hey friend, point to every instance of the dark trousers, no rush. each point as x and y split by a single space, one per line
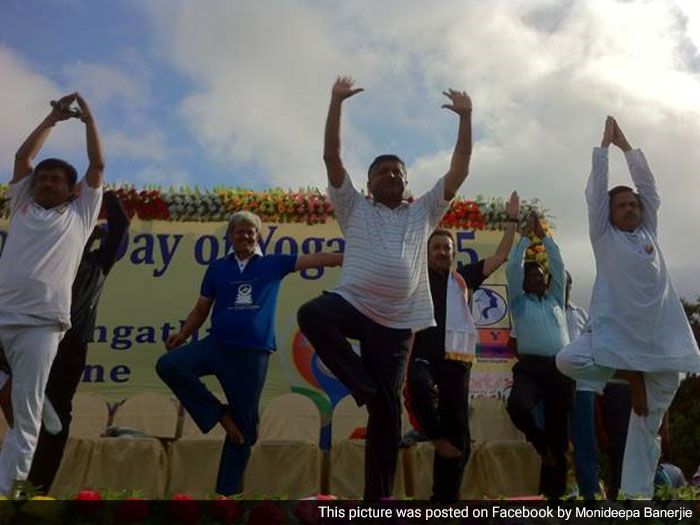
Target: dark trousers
64 379
241 373
537 379
374 377
438 396
615 407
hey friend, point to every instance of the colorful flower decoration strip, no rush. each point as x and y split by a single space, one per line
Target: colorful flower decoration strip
306 205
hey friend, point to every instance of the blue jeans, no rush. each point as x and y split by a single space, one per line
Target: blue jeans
585 443
241 373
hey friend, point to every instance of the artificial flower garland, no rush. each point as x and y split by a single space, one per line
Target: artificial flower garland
309 206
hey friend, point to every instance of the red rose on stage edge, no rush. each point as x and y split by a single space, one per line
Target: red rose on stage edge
308 513
131 510
183 509
90 502
224 509
266 513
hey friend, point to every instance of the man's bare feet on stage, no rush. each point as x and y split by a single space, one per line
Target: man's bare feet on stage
638 392
231 429
445 449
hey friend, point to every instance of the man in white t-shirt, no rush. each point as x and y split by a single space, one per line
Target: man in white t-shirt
383 295
638 329
51 219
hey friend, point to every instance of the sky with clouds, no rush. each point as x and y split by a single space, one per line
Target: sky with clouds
235 93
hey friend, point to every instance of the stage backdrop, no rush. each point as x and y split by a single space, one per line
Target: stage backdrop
156 282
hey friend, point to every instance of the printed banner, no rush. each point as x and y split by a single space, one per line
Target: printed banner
156 282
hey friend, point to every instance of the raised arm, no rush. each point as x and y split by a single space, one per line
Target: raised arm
318 260
597 198
642 177
36 139
557 287
462 154
195 319
96 162
117 226
342 89
500 256
515 271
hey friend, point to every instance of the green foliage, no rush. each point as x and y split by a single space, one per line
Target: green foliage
684 413
684 421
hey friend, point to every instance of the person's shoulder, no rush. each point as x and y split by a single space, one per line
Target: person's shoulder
221 262
84 191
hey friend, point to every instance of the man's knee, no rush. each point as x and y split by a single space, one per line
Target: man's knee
418 378
308 314
566 362
517 406
165 366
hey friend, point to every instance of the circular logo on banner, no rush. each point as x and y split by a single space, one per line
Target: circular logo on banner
488 307
312 369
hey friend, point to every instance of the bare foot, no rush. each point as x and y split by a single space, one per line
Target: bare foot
445 449
231 429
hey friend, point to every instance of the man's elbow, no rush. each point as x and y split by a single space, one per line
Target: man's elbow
332 161
23 165
97 166
201 313
21 158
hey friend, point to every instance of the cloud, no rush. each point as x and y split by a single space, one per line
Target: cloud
542 74
159 175
261 76
102 84
27 95
149 145
120 95
120 102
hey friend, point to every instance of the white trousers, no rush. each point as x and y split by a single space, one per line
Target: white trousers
30 350
642 449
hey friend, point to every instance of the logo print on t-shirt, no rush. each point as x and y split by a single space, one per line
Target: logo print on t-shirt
245 294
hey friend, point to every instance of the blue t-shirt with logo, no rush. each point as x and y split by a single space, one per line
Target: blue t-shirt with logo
244 302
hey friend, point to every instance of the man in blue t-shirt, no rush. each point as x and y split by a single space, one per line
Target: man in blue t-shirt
242 287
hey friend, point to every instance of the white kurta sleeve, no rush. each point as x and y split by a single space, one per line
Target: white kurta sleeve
646 187
597 198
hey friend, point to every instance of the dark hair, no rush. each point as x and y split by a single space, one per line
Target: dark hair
616 191
69 171
528 267
442 231
383 158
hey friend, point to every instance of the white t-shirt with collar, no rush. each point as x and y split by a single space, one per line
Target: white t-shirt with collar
42 252
385 263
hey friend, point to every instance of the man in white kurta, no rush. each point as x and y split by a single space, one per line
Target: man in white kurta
49 226
638 328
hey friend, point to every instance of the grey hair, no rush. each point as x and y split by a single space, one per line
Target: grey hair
244 216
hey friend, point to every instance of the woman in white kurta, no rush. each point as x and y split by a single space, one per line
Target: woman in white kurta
638 328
